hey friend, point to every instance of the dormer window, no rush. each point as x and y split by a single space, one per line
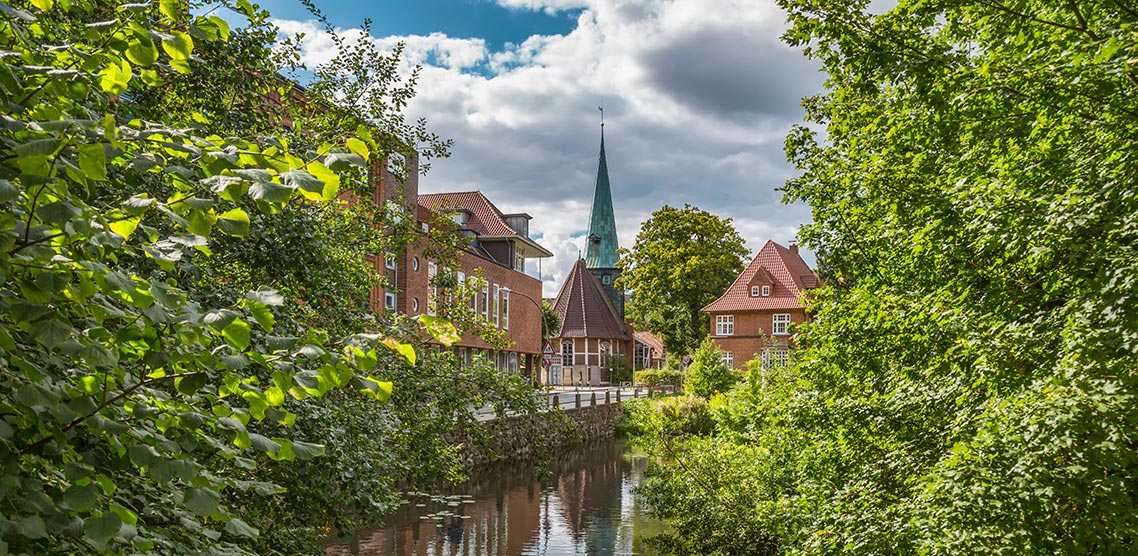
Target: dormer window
766 291
754 291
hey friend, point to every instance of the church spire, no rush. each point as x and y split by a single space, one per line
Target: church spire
601 243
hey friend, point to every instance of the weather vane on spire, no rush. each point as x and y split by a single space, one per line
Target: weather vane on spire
602 109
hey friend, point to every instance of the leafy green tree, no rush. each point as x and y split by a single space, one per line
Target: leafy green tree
708 373
550 321
682 260
968 379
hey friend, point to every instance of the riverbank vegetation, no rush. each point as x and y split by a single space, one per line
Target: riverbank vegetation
189 360
966 384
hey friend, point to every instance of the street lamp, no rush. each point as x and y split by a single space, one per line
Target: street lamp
532 300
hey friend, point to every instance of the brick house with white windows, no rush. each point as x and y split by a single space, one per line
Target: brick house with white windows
498 246
755 316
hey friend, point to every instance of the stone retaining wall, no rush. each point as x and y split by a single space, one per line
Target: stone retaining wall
528 437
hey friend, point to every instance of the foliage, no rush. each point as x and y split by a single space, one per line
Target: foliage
708 373
129 398
666 417
619 370
550 321
972 364
658 377
682 260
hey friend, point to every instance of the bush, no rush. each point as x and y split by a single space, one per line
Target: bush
708 374
670 416
659 377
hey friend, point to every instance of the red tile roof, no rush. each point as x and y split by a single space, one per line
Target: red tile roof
649 339
485 218
586 311
791 278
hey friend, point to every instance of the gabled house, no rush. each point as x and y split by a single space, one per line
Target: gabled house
647 351
757 314
593 338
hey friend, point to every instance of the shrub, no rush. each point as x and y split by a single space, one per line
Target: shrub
708 374
659 377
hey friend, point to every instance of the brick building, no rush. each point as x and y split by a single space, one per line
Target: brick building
755 316
492 267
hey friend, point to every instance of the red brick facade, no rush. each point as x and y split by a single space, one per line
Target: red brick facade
757 316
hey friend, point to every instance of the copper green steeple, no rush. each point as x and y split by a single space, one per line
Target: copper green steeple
600 251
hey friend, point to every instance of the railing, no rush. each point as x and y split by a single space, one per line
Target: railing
573 399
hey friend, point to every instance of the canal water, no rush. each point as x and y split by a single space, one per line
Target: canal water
582 504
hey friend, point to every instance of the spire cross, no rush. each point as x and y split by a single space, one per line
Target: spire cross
602 109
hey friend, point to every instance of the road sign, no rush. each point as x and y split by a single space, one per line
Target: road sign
547 350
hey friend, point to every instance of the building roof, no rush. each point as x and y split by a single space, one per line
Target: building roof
485 218
586 311
601 241
788 274
651 340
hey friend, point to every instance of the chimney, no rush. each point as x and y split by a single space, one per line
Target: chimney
794 248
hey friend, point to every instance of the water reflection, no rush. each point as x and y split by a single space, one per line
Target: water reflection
584 506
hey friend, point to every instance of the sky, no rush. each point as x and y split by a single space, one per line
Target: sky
698 97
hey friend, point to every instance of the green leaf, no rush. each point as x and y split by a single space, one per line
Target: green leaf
237 334
93 161
125 227
234 222
81 498
178 45
264 444
103 528
270 192
97 355
51 332
220 319
309 185
44 5
241 529
442 330
342 162
405 350
358 147
263 315
30 527
169 8
201 501
305 451
190 384
115 77
141 51
8 191
375 389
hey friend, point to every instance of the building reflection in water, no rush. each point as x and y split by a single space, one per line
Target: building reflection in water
585 505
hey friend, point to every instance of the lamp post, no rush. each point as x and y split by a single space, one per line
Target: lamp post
536 304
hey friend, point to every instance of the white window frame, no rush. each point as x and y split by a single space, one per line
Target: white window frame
766 291
432 289
485 299
775 357
414 305
497 305
728 358
754 291
390 300
567 353
724 325
389 261
779 324
415 264
505 309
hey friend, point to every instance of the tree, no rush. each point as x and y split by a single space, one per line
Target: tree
708 373
148 381
550 321
682 260
967 382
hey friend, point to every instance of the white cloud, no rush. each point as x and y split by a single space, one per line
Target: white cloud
698 97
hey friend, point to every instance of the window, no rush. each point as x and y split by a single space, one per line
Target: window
432 289
485 300
607 279
520 259
389 260
472 287
728 358
505 309
754 291
426 227
497 305
779 324
513 362
461 355
724 325
774 358
566 354
389 301
415 264
766 291
415 305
